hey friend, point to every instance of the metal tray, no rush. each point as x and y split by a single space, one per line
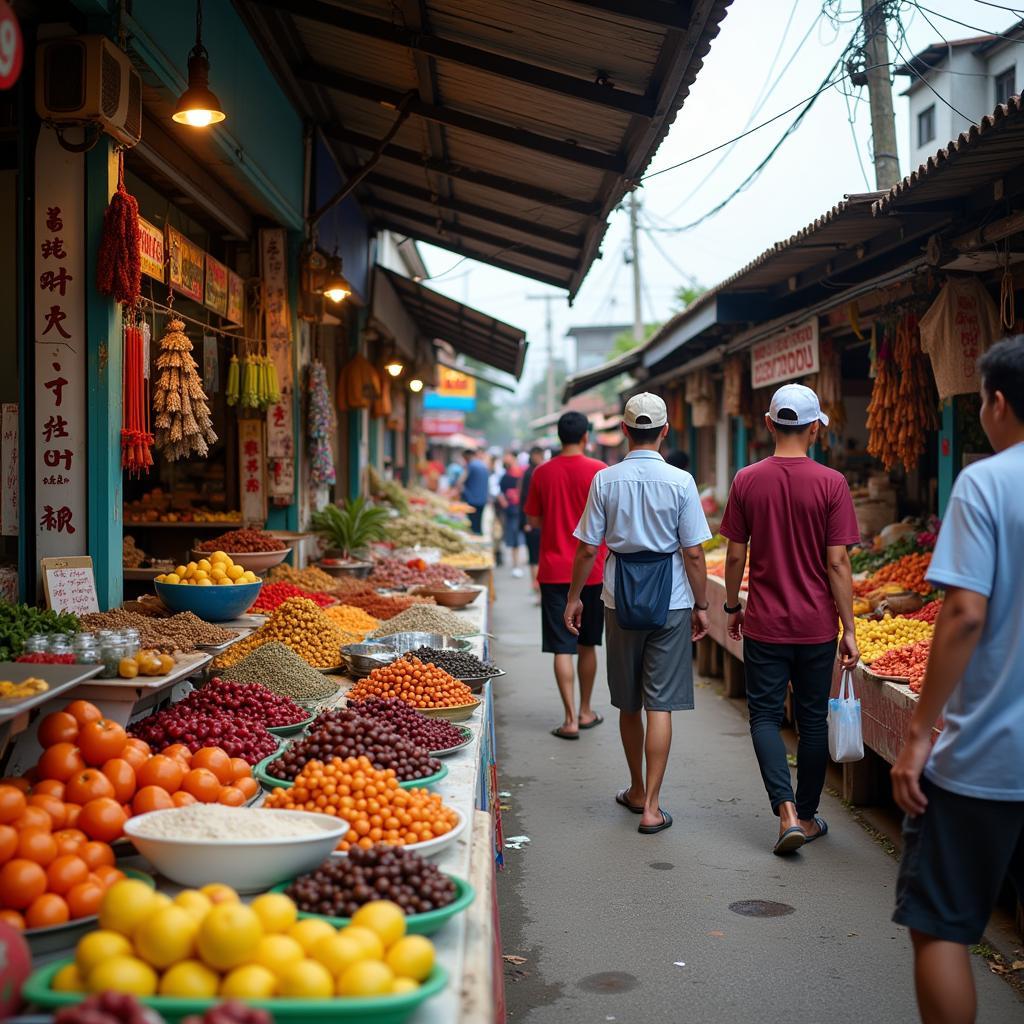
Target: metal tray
60 678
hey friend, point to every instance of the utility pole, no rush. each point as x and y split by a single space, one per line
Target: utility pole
883 121
549 330
634 248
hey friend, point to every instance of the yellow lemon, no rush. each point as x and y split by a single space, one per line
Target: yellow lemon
190 979
194 902
203 564
217 573
224 580
162 578
68 979
171 577
167 937
123 974
218 892
370 941
191 567
366 978
228 936
181 570
126 904
200 574
249 576
402 986
411 957
306 979
309 931
205 582
219 556
234 571
277 913
383 917
338 952
98 946
276 952
249 982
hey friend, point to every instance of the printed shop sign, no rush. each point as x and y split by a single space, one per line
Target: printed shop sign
59 331
444 424
216 286
274 267
186 265
252 472
785 356
151 250
236 298
454 391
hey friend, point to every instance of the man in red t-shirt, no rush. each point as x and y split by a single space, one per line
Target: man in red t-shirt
557 497
798 518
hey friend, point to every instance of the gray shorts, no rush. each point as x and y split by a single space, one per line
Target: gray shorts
650 669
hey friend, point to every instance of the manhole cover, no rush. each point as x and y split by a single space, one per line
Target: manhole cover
760 908
608 981
661 865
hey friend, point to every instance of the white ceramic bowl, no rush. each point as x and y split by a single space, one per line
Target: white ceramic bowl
430 847
247 865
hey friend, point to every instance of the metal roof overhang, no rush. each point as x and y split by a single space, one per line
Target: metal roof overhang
524 123
577 383
465 329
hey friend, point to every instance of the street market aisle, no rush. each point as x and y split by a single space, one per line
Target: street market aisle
615 926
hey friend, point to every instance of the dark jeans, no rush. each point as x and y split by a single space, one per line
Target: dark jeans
476 520
768 669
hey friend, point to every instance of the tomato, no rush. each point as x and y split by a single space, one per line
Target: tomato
240 769
21 883
180 751
102 819
57 727
151 798
12 804
202 784
84 899
48 910
53 807
83 712
72 811
60 762
66 872
216 760
183 799
165 772
88 785
49 787
230 796
8 843
19 782
248 786
108 875
34 817
136 753
13 918
96 855
70 837
100 741
36 845
122 777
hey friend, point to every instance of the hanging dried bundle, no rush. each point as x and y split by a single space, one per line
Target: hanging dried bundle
320 427
119 263
183 424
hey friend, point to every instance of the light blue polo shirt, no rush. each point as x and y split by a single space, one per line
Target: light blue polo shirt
980 752
644 504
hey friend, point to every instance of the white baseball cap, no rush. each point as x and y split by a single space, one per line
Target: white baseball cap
644 411
802 403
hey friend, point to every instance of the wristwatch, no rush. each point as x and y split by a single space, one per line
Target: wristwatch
733 610
702 607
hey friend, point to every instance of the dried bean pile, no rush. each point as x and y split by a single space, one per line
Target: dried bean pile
428 733
280 669
460 664
344 733
381 606
243 541
310 578
394 574
246 700
423 619
182 632
341 885
239 737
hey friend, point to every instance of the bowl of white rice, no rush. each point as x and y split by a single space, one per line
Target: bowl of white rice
249 848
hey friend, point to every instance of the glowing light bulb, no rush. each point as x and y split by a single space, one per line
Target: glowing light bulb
416 385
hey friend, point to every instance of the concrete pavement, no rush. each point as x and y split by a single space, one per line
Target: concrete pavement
615 926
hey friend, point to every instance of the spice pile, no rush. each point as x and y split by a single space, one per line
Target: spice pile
460 664
310 578
468 560
300 625
182 632
929 613
245 541
344 733
339 887
418 684
421 531
429 733
402 816
383 606
280 669
393 574
421 618
352 621
274 594
908 662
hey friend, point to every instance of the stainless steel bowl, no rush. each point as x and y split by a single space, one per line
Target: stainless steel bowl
405 642
362 659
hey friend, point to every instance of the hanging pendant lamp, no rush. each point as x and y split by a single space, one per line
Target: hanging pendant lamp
197 106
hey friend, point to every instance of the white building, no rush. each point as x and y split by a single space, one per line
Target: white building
956 83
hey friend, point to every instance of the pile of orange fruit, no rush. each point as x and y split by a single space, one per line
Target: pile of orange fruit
370 800
418 683
908 571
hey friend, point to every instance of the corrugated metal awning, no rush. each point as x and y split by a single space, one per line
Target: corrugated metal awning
577 383
527 120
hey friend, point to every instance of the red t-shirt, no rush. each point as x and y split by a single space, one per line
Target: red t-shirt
558 495
790 510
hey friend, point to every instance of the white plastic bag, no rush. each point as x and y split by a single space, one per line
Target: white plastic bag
845 738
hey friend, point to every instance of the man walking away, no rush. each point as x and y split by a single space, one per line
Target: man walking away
558 493
798 518
511 513
531 533
964 830
655 583
474 488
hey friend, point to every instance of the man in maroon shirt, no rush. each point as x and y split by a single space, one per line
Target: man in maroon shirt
798 519
557 497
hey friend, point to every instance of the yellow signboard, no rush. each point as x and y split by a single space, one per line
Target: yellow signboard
452 384
151 249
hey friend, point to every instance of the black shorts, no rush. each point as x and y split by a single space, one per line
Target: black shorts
955 857
533 545
556 639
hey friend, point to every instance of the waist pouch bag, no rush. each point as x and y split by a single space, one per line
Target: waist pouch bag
643 589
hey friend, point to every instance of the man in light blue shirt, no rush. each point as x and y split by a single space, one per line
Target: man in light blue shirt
649 514
964 797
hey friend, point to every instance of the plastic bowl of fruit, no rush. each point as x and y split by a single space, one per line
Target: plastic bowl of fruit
213 603
256 561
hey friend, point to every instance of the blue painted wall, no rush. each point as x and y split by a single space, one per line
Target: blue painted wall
344 227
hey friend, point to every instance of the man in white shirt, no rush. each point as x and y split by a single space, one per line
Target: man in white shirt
649 514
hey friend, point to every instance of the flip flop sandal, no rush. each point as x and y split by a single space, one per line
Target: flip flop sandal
597 720
651 830
565 735
620 798
790 841
822 829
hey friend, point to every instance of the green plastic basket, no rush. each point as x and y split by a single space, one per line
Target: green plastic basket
292 730
268 781
380 1009
415 924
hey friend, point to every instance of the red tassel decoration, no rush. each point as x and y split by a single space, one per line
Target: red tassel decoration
136 439
119 266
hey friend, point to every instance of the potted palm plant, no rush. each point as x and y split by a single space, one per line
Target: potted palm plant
348 531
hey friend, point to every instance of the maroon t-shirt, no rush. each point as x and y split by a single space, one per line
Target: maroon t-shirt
790 510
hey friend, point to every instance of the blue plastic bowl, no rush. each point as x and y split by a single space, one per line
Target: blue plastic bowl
215 604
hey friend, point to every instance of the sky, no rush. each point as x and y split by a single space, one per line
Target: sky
782 48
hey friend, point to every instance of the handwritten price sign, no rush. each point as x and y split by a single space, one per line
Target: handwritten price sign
12 47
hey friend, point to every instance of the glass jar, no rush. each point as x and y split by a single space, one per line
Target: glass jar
58 643
87 654
111 655
38 643
130 638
